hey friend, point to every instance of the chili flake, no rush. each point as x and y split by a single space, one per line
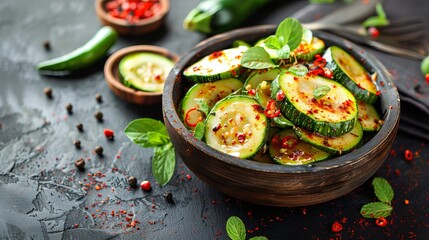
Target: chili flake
408 155
336 227
381 222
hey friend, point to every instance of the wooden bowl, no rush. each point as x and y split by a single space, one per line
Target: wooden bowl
271 184
126 28
111 75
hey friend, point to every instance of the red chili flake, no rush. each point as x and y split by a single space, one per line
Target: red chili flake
215 55
271 110
427 77
145 185
378 93
188 176
320 62
408 155
109 133
187 117
216 128
373 32
327 73
406 201
280 95
241 137
289 142
252 92
337 227
381 222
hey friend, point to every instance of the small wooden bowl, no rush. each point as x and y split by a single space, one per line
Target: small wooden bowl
125 28
271 184
111 75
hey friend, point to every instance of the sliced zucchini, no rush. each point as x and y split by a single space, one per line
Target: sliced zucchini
216 66
258 77
351 74
368 117
337 145
331 114
237 126
145 71
287 149
210 93
306 52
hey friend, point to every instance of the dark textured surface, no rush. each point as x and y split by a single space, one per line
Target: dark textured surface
42 196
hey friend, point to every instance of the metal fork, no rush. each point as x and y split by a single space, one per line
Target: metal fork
405 37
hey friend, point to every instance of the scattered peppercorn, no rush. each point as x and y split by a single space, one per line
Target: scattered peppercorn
48 92
98 98
77 143
381 222
109 133
80 164
408 155
79 127
47 45
168 196
132 181
99 150
99 116
145 185
69 108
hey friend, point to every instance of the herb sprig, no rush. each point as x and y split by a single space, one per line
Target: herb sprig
147 132
287 38
379 20
384 193
236 229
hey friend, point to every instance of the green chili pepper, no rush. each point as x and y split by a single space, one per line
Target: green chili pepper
84 56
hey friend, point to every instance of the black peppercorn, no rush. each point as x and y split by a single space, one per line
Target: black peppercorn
48 92
76 143
132 181
99 116
47 45
79 127
69 108
80 164
99 150
168 196
98 98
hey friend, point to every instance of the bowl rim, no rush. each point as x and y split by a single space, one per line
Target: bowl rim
99 8
116 57
391 117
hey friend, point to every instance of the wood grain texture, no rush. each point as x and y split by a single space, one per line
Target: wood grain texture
143 26
129 94
277 185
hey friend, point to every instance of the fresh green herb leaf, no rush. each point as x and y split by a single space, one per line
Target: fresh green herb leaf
383 190
376 210
163 163
321 91
202 106
258 238
235 228
199 130
256 58
424 65
290 30
307 35
298 69
284 53
380 11
375 22
272 42
139 130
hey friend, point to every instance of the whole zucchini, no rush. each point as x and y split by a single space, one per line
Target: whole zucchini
216 16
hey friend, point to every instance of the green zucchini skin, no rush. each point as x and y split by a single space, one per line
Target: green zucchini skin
302 153
257 77
338 117
216 16
237 126
336 145
351 74
84 56
216 66
306 52
210 93
369 117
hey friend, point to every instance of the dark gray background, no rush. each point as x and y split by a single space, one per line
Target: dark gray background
40 193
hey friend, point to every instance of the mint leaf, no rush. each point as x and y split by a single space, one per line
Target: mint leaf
199 130
235 228
163 163
202 106
258 238
383 190
298 69
256 58
376 210
284 52
321 91
375 22
290 30
273 42
307 35
380 11
139 130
